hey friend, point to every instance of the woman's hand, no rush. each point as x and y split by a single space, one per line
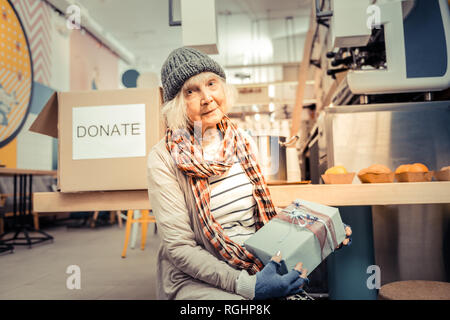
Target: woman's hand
348 240
269 284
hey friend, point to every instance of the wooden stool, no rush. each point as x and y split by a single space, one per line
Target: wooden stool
415 290
144 219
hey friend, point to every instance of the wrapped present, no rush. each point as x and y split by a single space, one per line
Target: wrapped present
304 232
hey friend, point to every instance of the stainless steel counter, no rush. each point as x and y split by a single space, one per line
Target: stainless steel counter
410 241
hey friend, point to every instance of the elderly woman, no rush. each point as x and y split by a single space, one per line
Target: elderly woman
207 192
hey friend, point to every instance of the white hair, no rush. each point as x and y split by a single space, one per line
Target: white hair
174 111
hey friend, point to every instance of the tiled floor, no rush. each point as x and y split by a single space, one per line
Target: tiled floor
40 272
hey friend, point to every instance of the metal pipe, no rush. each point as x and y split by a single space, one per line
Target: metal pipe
290 141
15 200
322 14
30 194
171 22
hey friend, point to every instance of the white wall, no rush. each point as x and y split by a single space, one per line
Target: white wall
34 151
60 65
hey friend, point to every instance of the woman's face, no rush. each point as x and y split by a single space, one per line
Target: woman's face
205 99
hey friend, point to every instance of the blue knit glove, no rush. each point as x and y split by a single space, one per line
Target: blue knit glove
270 285
346 237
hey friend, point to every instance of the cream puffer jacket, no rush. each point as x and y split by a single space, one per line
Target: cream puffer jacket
188 266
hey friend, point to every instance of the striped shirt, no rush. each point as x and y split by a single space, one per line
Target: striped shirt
232 203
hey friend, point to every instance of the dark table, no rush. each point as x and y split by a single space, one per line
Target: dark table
22 208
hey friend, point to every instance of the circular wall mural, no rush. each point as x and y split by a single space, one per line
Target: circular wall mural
129 78
16 73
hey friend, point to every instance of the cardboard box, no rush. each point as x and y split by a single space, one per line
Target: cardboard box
103 137
296 242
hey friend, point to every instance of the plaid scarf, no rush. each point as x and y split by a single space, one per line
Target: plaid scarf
186 149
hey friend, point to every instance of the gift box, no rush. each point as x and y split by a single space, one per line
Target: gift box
304 232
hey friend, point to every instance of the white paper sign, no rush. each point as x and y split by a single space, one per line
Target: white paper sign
116 131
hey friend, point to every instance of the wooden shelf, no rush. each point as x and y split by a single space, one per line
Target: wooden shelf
282 195
365 194
14 171
90 201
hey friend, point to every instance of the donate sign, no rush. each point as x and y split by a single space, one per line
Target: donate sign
116 131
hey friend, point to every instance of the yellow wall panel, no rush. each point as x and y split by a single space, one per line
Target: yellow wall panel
8 154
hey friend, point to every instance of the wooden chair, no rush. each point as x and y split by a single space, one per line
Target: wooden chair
144 220
415 290
112 217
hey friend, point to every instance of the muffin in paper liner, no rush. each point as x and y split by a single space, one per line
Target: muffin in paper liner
442 175
376 177
414 176
342 178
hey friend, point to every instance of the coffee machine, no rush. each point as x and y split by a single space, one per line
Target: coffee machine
391 46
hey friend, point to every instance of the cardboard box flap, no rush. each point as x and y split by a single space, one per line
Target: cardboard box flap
47 120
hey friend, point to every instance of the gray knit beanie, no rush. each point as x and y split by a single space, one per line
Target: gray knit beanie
182 64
